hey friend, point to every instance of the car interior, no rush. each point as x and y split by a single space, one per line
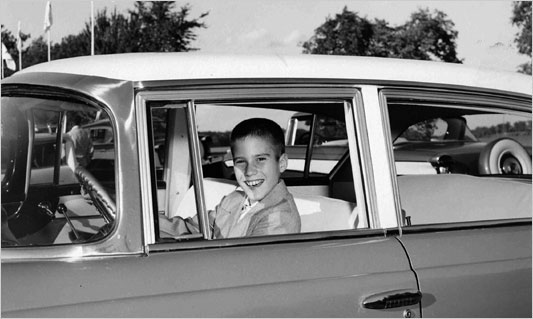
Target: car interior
56 205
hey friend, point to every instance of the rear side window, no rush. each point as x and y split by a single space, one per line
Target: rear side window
460 158
58 181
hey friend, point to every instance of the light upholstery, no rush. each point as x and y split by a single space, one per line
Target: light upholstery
318 213
445 198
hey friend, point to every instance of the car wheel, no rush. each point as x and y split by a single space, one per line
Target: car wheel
504 156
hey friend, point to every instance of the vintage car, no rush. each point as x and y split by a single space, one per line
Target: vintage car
412 180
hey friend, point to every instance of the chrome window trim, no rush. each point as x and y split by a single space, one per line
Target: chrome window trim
510 111
231 92
321 82
469 99
354 159
274 239
113 245
147 203
223 93
362 160
431 228
198 175
144 169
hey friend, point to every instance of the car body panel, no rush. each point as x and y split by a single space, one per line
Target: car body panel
309 279
486 266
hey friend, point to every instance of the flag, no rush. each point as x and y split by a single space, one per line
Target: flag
48 16
19 40
10 63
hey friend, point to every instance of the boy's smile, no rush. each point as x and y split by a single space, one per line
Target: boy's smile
254 183
257 167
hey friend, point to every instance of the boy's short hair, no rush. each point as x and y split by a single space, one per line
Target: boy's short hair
260 127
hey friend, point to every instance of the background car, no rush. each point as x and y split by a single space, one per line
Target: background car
384 166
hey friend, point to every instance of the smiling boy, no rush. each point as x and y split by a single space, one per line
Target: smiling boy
263 204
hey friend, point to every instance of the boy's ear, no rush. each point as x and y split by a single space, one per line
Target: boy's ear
283 162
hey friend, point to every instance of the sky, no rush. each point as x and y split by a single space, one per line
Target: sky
486 35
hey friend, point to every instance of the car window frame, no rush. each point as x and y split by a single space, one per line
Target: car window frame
504 102
73 251
231 92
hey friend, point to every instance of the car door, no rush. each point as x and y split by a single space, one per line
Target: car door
360 270
468 233
312 273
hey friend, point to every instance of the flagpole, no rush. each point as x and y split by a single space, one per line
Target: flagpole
2 58
48 24
48 32
92 27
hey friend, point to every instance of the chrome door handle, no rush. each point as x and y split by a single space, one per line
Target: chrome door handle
393 299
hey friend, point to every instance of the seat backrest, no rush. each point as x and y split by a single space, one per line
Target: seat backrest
318 213
214 190
446 198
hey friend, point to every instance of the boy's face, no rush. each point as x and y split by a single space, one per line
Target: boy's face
256 167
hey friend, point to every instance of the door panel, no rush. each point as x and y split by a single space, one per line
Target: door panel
305 279
483 272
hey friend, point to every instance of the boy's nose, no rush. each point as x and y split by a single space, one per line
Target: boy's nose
250 170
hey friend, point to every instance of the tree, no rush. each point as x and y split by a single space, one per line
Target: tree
522 18
10 41
112 35
36 53
425 36
157 28
151 27
347 34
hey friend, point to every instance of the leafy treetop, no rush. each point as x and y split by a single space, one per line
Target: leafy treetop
426 36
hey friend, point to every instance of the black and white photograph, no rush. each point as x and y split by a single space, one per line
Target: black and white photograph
270 159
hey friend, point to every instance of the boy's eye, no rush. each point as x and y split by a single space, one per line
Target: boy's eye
261 159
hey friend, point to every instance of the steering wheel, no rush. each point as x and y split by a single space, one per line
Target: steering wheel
504 156
101 199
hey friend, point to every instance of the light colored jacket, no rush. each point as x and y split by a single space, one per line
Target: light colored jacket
273 215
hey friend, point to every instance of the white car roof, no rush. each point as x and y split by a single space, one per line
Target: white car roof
181 66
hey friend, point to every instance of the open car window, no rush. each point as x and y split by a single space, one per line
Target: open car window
460 161
58 185
319 173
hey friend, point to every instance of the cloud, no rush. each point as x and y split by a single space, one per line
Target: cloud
254 35
294 37
288 43
262 40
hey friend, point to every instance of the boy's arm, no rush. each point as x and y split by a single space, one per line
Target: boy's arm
177 226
